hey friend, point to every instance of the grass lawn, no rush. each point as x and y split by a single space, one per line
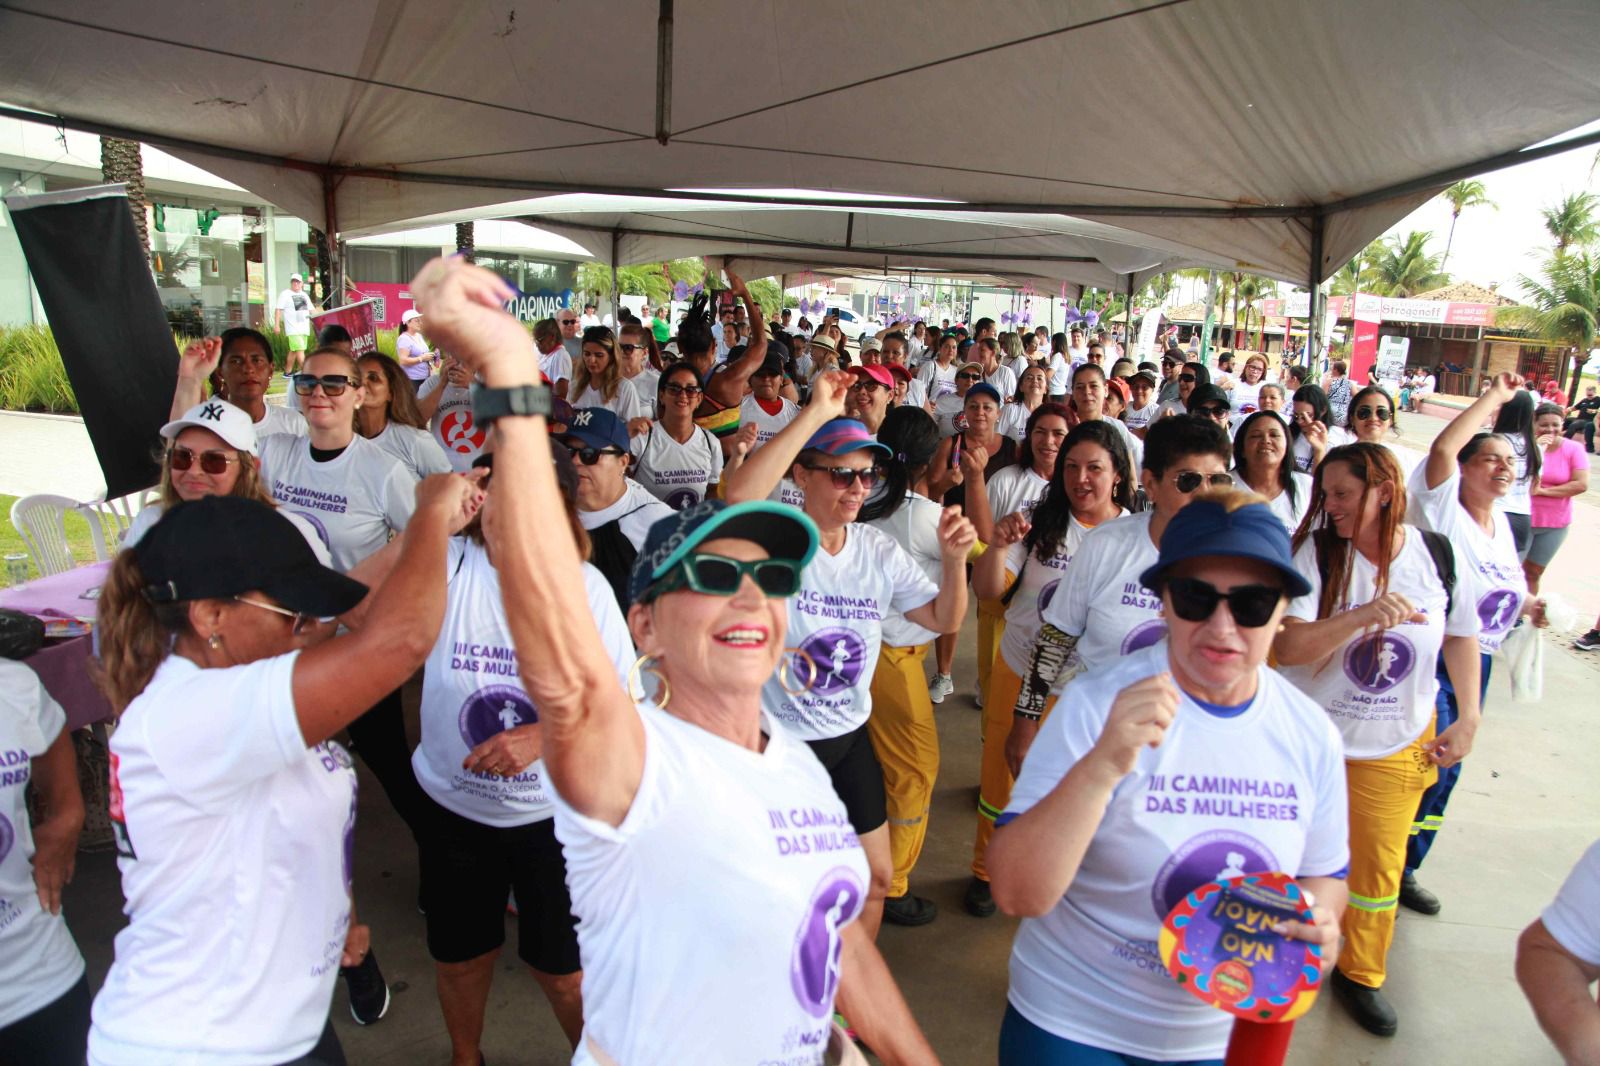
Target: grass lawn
79 543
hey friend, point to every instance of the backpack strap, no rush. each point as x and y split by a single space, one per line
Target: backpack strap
1444 561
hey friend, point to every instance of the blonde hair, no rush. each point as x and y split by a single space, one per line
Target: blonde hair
135 635
610 378
248 484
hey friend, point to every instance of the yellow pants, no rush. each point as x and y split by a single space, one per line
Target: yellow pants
994 786
1383 801
991 624
907 742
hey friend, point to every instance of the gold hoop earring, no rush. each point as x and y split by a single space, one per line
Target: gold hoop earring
783 672
636 690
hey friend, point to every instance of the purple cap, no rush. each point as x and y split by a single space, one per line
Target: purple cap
843 435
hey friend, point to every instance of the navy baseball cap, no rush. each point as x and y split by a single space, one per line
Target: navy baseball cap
1207 528
983 388
783 530
597 427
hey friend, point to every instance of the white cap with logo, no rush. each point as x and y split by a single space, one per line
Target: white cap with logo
230 423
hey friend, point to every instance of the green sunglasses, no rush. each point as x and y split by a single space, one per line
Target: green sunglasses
717 575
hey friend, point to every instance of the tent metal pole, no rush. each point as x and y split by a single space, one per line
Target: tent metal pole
664 73
616 303
1127 314
330 212
1319 306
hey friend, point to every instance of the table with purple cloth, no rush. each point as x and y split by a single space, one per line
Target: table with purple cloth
63 665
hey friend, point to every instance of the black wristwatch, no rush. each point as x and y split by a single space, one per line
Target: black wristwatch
519 400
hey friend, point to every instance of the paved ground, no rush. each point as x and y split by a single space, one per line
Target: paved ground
1528 804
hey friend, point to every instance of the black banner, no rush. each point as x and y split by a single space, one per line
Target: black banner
95 283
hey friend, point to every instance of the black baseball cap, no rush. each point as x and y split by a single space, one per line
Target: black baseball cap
217 547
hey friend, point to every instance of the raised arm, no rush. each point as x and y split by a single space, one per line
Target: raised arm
760 473
1462 428
195 366
989 571
593 737
729 383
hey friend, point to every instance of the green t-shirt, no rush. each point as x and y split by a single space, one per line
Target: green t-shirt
661 329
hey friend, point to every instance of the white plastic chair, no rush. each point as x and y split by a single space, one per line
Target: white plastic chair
42 521
109 521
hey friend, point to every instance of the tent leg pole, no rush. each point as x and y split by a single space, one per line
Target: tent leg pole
1127 316
330 210
616 302
1314 282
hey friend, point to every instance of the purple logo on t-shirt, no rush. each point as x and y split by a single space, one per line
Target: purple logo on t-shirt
1047 594
8 837
1497 611
838 654
1380 662
350 843
1210 856
494 710
1142 636
682 499
819 942
316 524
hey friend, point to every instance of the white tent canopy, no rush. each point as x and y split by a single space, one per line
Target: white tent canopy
1278 136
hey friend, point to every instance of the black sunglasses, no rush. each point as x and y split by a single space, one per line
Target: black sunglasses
1380 413
1186 378
845 476
332 384
1211 410
631 348
212 461
682 390
717 575
590 456
1195 601
969 377
1188 481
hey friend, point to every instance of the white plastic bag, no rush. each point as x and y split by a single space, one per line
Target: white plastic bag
1523 654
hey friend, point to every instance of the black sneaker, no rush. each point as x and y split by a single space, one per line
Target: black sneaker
369 994
909 910
1413 897
978 901
1368 1006
1589 641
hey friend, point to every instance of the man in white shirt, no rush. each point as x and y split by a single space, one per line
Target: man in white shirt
589 317
294 321
1077 351
554 362
1112 348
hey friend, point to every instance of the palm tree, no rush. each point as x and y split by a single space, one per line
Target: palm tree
1348 279
1403 267
466 240
1565 305
1572 221
121 161
1462 195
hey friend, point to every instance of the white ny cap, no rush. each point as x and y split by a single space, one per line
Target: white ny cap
230 423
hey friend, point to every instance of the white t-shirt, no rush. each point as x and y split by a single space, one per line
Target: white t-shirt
1016 488
454 430
1573 918
947 412
279 419
677 474
915 527
1289 511
1408 458
1379 689
1104 604
752 903
1014 421
625 404
1004 379
938 380
1246 399
1141 417
296 310
235 843
645 386
1301 446
416 449
471 690
356 500
837 618
1041 580
767 426
151 513
916 393
556 367
1262 789
1134 445
1060 374
1520 499
1488 574
635 511
1078 355
39 961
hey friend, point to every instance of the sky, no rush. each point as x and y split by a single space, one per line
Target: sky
1495 245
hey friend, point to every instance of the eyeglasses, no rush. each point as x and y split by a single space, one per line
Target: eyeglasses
213 461
969 377
1189 480
300 620
682 390
1380 413
1187 379
591 456
1195 601
332 384
717 575
1211 410
845 476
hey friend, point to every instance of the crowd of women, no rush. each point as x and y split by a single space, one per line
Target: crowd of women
674 608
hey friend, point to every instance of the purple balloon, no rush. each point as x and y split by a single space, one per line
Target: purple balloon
680 291
1091 318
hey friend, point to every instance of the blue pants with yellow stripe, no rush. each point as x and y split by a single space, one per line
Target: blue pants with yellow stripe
1430 809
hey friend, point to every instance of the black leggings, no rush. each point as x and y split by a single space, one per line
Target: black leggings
380 740
54 1035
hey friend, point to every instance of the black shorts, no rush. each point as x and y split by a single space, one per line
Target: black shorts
468 872
857 777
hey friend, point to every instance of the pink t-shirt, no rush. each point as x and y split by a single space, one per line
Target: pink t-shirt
1550 512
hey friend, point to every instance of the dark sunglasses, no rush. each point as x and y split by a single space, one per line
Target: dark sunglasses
1211 410
682 390
1187 378
631 348
1380 413
214 461
591 456
717 575
867 384
845 476
332 384
969 377
1188 481
1195 601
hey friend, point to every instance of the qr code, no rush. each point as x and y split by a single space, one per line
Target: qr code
380 306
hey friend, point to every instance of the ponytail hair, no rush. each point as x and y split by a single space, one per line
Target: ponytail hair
912 437
136 635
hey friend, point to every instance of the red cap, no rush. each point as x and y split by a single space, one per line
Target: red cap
1120 387
877 372
898 371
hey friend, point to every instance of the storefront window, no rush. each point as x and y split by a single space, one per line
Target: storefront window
202 270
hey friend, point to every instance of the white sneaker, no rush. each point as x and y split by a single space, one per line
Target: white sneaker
940 687
977 696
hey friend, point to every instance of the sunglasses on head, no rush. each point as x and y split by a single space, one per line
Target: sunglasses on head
1195 601
717 575
682 390
845 476
1188 481
332 384
296 627
1380 413
212 461
590 456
